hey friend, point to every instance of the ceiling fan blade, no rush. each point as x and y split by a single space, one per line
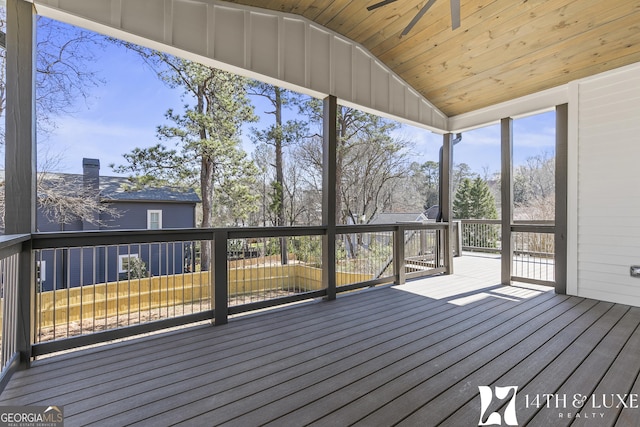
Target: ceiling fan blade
380 4
455 14
416 18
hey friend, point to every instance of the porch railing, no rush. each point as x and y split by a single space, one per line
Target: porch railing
534 253
11 248
481 235
533 246
92 287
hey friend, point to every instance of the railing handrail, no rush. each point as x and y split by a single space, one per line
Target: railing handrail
515 222
49 240
534 221
369 228
534 228
114 237
12 239
11 244
479 221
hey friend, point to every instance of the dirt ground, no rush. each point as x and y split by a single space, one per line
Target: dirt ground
89 326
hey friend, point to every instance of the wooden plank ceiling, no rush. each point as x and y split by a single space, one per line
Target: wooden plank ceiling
503 49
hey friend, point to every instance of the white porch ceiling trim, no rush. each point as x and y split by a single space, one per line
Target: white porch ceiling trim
515 108
283 49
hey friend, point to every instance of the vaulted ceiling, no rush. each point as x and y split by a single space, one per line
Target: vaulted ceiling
502 50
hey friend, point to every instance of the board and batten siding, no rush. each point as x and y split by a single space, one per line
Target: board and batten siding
606 169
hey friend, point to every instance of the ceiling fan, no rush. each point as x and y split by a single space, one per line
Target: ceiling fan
455 13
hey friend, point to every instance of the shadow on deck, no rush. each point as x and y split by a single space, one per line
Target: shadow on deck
404 355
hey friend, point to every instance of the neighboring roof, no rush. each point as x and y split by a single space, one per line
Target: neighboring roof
119 188
122 189
432 212
394 217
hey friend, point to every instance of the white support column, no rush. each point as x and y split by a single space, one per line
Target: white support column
20 155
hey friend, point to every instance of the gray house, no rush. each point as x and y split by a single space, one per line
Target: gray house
129 208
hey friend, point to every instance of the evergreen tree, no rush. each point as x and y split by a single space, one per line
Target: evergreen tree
462 200
474 200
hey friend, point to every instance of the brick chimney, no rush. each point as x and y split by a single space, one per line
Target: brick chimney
91 186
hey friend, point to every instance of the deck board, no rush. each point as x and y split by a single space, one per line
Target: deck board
456 394
590 372
410 355
407 393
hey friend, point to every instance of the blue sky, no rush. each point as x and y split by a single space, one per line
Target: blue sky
125 112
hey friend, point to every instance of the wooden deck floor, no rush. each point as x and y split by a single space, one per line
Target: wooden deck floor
412 355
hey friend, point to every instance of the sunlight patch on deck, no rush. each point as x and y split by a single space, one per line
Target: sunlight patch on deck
478 297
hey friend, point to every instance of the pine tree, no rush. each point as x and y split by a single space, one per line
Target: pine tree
462 200
208 153
474 201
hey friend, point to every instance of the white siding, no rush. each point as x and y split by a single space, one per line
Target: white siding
607 220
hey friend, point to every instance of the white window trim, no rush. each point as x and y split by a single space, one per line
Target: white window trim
151 212
41 271
121 258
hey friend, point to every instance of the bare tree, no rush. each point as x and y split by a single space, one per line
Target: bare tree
534 188
369 160
63 199
64 72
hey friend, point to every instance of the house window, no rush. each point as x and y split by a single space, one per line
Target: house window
41 271
154 220
124 262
